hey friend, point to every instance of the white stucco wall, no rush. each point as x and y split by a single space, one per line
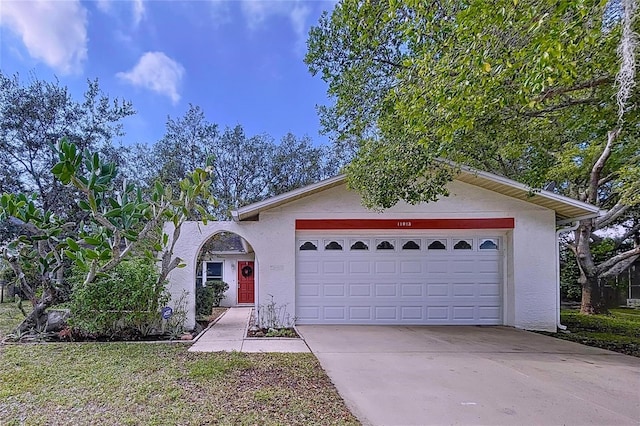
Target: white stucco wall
529 289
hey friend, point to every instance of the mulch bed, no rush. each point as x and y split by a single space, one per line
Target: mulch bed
254 331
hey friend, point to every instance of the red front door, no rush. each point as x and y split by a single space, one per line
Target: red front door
246 282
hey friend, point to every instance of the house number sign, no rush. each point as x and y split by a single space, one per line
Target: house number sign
167 312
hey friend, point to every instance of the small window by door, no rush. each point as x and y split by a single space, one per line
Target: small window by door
213 272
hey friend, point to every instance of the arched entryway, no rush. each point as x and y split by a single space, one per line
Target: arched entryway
228 257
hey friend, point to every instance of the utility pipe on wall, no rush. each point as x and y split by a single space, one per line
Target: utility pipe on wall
558 232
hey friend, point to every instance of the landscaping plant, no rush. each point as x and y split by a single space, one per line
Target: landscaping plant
209 295
125 301
119 224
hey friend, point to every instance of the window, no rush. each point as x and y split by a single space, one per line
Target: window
213 272
359 245
333 245
488 244
385 245
437 245
411 245
308 245
463 245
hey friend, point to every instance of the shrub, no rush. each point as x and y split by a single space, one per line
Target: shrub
127 300
209 296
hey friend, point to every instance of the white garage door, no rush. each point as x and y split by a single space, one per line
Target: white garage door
368 279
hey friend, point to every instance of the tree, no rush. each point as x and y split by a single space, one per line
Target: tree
526 89
119 223
244 169
297 162
34 117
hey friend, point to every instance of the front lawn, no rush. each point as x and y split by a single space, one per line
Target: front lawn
160 383
10 317
619 331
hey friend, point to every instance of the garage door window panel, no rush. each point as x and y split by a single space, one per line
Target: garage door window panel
463 244
410 245
488 244
309 246
385 244
333 245
360 245
437 244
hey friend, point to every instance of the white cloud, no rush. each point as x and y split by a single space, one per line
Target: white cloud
138 9
157 72
104 5
257 12
220 12
54 32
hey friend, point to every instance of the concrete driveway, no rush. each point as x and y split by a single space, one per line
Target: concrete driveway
392 375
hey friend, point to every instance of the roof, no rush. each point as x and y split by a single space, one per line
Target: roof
567 209
225 242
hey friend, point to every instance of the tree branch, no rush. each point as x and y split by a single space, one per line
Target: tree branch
618 268
611 215
554 91
596 171
557 107
608 264
631 231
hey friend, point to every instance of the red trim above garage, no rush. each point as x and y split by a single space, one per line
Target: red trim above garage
327 224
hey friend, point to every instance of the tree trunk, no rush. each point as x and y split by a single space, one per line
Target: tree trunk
592 301
589 280
37 318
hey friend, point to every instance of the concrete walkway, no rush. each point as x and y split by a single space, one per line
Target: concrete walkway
229 334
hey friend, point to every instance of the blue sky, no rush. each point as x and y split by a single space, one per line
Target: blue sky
240 61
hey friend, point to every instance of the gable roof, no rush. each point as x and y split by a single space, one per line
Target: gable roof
567 209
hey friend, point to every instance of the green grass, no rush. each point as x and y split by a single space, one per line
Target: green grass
619 331
10 317
161 384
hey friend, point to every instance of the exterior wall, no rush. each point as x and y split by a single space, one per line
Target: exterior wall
530 285
534 277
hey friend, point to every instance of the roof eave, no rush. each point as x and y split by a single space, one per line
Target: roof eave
567 209
255 208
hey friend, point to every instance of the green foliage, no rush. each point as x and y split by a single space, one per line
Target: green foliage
522 88
619 331
34 116
126 300
246 168
209 296
117 225
10 317
174 326
570 288
618 322
281 332
602 250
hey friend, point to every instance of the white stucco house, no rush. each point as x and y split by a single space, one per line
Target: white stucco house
484 255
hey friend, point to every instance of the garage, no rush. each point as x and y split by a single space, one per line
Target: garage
399 278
